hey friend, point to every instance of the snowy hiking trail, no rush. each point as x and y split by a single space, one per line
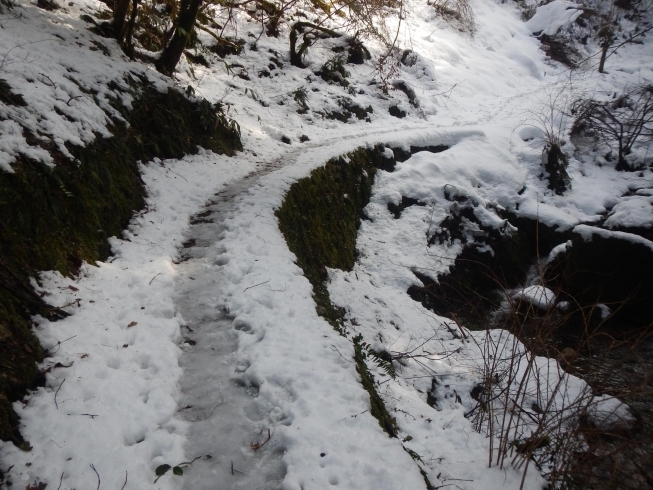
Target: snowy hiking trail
217 400
259 364
195 340
220 410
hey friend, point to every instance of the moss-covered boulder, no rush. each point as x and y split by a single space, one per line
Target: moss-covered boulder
56 218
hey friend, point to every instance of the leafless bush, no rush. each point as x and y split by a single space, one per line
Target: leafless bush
458 13
553 120
620 122
535 410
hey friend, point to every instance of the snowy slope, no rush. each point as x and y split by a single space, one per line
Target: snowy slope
120 408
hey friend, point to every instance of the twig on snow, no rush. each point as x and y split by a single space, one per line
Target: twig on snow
60 481
153 279
98 476
57 392
53 85
256 446
91 415
234 470
59 343
353 416
334 348
124 484
207 417
4 59
259 284
73 98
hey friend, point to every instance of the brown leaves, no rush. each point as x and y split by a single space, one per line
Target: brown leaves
256 445
36 486
132 324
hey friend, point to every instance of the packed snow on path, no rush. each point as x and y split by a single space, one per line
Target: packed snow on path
139 394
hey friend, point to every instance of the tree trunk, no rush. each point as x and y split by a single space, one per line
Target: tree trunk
120 8
297 28
128 46
175 48
604 53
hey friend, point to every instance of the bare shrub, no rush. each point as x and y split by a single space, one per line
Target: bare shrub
553 375
536 412
534 408
458 13
553 119
619 123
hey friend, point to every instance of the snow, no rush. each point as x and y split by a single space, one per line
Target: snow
610 412
635 211
116 403
557 250
549 18
539 296
53 62
588 232
190 351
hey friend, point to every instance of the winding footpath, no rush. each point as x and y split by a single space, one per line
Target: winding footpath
220 403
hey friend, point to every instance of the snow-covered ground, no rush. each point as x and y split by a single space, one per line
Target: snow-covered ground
145 387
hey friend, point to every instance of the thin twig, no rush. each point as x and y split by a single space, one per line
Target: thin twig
98 476
353 416
259 284
124 484
57 392
59 343
334 348
4 59
214 409
256 446
168 170
153 279
73 98
91 415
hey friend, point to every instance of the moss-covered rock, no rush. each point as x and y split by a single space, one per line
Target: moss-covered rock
319 218
555 164
56 218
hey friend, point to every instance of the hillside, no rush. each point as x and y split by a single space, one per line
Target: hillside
410 250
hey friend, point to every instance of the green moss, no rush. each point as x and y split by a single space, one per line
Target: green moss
18 350
377 406
56 218
418 459
556 167
319 218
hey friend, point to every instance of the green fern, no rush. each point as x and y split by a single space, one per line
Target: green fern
382 359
